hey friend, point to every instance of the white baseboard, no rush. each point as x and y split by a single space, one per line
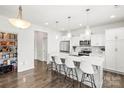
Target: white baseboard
113 71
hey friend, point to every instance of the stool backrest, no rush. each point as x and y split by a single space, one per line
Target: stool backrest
49 59
57 60
86 65
69 62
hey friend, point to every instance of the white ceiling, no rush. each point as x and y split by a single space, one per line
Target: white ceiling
39 15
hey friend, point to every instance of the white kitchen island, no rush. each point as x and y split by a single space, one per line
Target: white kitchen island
98 76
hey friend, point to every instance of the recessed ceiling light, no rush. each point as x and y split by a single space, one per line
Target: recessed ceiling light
112 16
80 24
46 23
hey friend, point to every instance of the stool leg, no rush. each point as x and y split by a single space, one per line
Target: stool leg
55 66
69 72
60 72
59 68
52 66
72 76
76 73
48 66
93 81
64 69
82 79
64 72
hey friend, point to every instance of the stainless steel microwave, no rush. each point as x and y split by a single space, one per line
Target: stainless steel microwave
85 43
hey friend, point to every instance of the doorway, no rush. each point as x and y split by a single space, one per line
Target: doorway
40 46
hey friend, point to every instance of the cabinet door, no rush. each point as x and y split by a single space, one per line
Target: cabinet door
98 40
120 55
84 37
110 55
114 34
120 33
75 41
94 40
110 35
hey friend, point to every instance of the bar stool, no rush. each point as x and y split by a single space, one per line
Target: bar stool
51 65
60 67
88 70
71 68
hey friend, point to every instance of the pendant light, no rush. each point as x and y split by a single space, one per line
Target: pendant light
69 31
87 29
57 28
18 21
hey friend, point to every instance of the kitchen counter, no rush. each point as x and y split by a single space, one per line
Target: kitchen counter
78 59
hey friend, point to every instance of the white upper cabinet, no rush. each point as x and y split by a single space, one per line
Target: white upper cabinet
65 38
98 40
114 34
84 37
120 33
75 41
110 35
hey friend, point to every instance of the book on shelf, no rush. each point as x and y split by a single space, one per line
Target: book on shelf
8 49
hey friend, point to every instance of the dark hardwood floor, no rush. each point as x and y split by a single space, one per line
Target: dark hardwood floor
40 78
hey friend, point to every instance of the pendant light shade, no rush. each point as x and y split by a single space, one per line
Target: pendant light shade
87 29
69 31
69 35
18 21
57 29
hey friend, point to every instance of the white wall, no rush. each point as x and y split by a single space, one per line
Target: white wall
26 42
25 50
98 29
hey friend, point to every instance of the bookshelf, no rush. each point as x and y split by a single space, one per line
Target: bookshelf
8 51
